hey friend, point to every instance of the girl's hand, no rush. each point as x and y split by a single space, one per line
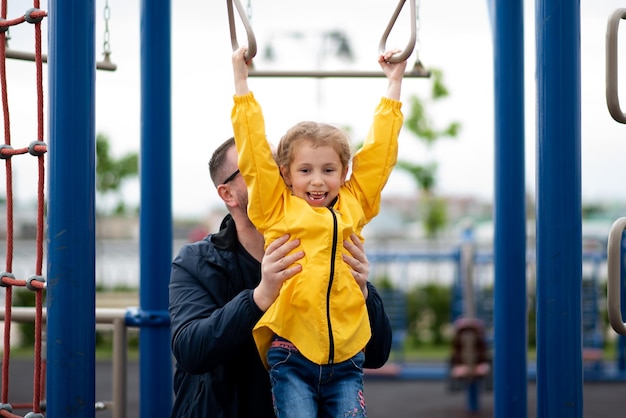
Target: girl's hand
240 71
394 71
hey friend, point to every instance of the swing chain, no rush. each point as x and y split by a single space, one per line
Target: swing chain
418 68
417 28
106 46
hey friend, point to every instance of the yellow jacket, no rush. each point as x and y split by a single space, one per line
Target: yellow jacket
321 310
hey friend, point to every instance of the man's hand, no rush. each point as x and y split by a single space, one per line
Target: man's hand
276 267
358 262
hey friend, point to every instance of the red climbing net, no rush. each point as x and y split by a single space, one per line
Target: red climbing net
35 282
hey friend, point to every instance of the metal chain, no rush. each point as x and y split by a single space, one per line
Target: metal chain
106 46
417 28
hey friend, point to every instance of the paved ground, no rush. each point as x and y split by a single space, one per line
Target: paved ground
385 397
431 399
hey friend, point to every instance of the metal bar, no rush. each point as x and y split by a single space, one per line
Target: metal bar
71 210
252 46
429 256
510 311
620 355
614 265
401 56
106 64
559 215
331 74
248 27
155 240
26 314
120 347
115 318
612 98
108 315
467 278
473 396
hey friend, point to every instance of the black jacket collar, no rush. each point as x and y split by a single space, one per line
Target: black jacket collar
226 238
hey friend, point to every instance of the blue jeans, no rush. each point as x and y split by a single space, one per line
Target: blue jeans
303 389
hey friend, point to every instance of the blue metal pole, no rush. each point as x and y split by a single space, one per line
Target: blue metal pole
156 206
559 215
510 312
457 305
71 211
473 396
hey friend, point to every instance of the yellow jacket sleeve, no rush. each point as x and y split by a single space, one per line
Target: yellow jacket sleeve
256 162
373 163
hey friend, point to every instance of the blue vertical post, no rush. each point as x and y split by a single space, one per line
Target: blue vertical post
156 206
71 211
559 214
510 311
473 396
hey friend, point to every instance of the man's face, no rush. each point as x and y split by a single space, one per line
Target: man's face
237 184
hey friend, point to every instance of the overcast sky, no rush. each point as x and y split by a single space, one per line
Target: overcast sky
454 36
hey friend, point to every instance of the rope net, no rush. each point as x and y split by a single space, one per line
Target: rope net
8 280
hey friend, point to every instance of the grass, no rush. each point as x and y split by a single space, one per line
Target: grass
102 353
437 353
425 352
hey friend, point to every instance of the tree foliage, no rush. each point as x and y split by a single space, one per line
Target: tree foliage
428 310
433 210
111 173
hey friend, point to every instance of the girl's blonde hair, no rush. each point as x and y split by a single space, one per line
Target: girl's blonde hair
318 135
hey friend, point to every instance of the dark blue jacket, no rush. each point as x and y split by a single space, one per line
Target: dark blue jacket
218 370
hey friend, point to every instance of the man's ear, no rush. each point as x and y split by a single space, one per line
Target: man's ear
226 194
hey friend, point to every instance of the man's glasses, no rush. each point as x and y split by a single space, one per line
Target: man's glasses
232 176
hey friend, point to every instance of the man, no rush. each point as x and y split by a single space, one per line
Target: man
220 287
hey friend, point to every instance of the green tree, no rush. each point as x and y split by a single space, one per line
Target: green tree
433 210
112 172
429 313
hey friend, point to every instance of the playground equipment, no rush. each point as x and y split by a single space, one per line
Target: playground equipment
615 274
396 309
616 297
612 97
470 360
36 282
105 64
71 250
470 366
558 139
418 69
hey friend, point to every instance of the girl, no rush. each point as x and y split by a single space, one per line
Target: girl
312 337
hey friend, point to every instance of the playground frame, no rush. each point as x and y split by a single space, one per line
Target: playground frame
71 248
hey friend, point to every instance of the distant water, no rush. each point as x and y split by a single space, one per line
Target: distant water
117 263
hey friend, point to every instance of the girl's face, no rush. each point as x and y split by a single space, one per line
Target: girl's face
315 174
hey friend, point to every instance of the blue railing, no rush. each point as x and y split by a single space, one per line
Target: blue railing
405 269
